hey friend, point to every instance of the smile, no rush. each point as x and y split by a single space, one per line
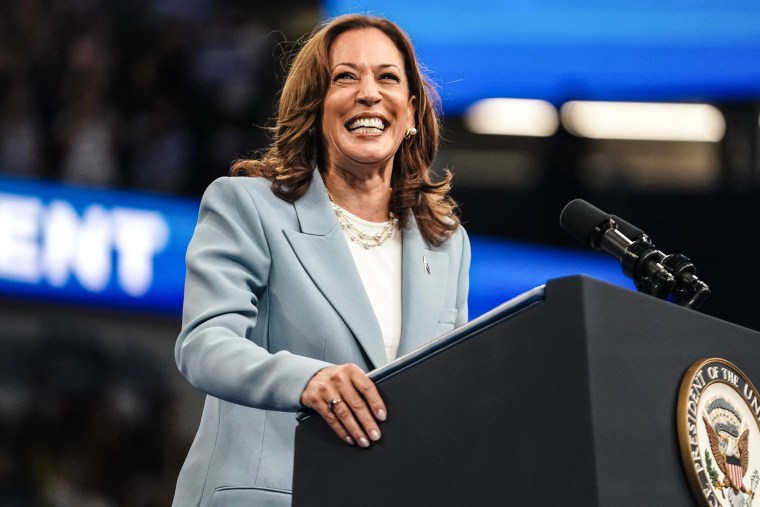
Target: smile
366 125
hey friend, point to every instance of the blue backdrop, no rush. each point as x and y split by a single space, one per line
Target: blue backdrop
586 49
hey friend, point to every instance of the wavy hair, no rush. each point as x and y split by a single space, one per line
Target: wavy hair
289 160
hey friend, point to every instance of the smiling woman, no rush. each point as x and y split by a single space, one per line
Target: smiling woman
366 114
336 254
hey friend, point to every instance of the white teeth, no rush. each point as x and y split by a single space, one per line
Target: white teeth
371 123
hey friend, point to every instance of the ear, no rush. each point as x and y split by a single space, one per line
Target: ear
412 110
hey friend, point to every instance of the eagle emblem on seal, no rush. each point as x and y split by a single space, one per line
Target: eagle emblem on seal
729 445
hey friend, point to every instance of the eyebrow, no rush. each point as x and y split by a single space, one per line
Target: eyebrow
355 66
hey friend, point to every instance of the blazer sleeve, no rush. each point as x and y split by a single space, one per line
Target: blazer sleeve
463 285
228 262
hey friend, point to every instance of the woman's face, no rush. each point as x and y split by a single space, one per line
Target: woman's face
367 108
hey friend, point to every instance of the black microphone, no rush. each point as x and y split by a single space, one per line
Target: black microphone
652 271
593 227
639 259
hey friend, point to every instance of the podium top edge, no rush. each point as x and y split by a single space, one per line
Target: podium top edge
498 314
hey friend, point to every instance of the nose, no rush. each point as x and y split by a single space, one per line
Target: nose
369 93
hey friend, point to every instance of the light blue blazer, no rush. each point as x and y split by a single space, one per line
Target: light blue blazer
272 295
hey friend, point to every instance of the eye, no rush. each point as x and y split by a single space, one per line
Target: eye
343 75
390 76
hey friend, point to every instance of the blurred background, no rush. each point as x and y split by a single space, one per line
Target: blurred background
115 116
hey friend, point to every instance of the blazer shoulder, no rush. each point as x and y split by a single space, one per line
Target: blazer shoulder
458 241
234 191
227 185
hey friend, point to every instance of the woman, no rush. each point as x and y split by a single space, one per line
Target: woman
333 255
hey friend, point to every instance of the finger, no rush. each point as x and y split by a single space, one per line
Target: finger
345 413
365 421
363 399
369 392
332 420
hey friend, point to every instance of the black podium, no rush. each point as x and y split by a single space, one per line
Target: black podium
566 395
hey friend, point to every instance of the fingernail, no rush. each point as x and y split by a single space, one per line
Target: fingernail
374 435
381 414
350 441
364 442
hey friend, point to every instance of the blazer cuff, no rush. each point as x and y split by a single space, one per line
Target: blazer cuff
300 371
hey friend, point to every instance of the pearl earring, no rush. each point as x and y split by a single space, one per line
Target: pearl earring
411 131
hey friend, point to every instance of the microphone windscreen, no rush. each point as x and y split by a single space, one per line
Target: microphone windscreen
582 221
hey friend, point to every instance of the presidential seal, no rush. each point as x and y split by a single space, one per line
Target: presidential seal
719 433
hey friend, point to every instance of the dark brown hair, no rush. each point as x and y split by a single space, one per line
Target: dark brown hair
289 161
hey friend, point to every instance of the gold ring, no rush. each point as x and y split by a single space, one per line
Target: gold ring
331 404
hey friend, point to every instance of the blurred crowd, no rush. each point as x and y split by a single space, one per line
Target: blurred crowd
83 425
151 94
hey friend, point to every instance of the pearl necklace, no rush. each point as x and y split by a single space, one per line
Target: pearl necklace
357 235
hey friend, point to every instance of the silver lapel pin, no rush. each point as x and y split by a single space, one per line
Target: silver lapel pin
425 265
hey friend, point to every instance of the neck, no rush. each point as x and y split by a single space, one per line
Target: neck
366 197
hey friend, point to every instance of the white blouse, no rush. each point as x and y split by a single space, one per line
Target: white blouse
380 271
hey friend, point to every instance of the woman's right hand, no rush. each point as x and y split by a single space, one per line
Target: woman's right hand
348 401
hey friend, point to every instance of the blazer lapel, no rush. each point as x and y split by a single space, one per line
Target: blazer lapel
423 280
322 250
